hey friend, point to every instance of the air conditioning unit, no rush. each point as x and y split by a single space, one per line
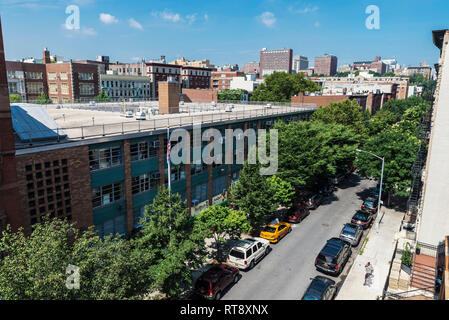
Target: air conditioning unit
195 202
268 122
269 105
229 107
156 144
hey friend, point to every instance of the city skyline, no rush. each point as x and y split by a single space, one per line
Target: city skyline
120 31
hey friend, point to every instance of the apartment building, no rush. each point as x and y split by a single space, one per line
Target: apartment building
119 87
377 65
280 60
221 80
300 64
325 65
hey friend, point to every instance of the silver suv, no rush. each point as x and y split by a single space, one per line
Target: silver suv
248 252
351 233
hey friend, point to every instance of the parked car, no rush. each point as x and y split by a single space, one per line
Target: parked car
297 213
351 233
370 204
314 201
321 288
333 257
327 189
362 218
274 232
247 252
214 281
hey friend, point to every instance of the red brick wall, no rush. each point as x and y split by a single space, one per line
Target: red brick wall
199 95
76 199
9 196
318 100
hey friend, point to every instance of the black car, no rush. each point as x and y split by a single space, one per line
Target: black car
321 288
370 204
333 257
314 201
363 218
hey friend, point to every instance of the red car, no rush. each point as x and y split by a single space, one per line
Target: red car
214 281
297 213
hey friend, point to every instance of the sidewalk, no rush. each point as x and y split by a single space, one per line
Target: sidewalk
378 251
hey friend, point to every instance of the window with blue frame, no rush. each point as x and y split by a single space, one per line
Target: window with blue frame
107 194
177 173
105 158
112 226
144 150
145 182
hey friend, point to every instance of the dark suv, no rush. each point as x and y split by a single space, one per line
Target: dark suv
321 288
333 257
214 281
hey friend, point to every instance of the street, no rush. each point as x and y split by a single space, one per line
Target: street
285 273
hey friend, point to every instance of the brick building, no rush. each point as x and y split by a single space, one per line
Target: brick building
28 80
376 65
280 60
251 68
326 65
221 80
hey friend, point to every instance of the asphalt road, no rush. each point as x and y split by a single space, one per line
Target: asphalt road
284 274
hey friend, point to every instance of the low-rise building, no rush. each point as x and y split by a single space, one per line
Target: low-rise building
376 65
221 80
119 87
248 83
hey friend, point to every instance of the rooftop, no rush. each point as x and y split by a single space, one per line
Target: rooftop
78 122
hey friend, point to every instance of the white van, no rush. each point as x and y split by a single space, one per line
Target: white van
248 252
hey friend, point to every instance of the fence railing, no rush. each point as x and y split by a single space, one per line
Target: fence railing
407 294
159 123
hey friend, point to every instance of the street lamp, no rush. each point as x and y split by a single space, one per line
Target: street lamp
380 188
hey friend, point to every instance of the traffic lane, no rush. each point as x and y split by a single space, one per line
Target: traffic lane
285 273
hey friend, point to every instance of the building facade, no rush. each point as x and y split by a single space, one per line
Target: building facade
377 65
300 63
280 60
126 87
221 80
251 68
325 65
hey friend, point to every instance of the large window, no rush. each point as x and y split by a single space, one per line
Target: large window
53 88
63 76
145 182
177 173
86 89
34 75
105 158
35 87
144 150
219 185
50 76
200 192
107 194
113 226
85 76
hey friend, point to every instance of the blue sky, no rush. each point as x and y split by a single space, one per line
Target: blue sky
223 31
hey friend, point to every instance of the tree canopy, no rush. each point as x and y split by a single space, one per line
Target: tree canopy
281 86
231 95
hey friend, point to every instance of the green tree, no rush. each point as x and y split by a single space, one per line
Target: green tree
399 149
220 223
347 112
398 107
310 152
281 86
251 194
231 95
43 99
102 97
14 98
176 248
282 191
382 120
389 74
34 266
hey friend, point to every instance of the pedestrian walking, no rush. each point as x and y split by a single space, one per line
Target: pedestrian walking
368 274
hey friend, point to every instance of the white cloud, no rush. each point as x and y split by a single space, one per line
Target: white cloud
134 24
317 24
191 18
268 19
107 18
308 9
167 15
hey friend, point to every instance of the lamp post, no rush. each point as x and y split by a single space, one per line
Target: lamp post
381 181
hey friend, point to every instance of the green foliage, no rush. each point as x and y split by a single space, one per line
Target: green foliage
382 120
407 256
282 191
34 266
310 152
174 248
231 95
220 222
389 74
347 112
252 194
102 97
281 86
398 107
14 98
43 99
399 150
429 86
